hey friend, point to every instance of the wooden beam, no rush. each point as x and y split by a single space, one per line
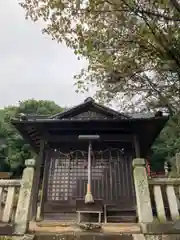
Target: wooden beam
103 138
80 125
87 127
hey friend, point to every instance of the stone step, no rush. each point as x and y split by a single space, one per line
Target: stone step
86 236
65 228
116 219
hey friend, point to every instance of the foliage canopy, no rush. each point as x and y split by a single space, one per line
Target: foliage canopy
133 46
13 149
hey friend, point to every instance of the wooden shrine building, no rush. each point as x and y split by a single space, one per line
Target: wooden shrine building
61 171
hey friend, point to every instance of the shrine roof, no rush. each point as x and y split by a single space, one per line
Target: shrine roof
90 117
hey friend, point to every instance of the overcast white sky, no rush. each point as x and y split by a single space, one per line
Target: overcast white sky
31 64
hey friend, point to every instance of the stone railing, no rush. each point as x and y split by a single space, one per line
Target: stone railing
157 200
143 201
9 193
15 197
165 194
161 194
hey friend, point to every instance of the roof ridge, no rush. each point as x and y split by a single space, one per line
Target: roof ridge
89 101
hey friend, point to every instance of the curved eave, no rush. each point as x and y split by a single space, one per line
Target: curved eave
147 130
31 136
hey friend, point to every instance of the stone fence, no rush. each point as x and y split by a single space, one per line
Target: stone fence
165 194
9 193
15 197
158 205
157 200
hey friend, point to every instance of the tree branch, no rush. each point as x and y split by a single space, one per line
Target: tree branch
176 5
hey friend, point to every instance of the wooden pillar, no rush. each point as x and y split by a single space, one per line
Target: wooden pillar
23 205
40 211
136 147
36 181
144 208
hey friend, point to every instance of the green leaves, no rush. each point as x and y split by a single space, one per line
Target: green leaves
13 149
167 144
139 40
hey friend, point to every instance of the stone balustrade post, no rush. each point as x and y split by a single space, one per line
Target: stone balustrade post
143 201
23 205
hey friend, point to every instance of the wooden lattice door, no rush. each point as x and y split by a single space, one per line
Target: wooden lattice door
111 178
